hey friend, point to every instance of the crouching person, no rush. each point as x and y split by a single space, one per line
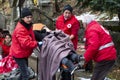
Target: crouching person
99 47
23 43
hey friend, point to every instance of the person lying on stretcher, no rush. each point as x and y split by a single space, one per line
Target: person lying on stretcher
67 64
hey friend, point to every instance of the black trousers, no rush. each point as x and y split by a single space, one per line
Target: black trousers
23 66
101 69
66 75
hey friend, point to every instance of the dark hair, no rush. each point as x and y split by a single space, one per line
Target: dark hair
5 32
1 30
8 35
4 42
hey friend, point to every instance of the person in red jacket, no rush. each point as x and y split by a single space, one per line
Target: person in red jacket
68 24
23 42
99 47
5 46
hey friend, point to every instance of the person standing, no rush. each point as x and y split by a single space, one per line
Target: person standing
23 42
68 24
99 47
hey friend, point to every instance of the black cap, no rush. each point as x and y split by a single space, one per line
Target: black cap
67 7
25 12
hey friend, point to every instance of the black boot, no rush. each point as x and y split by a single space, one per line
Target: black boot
66 75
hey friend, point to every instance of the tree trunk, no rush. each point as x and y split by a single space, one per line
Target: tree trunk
57 9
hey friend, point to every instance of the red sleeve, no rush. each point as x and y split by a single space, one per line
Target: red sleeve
59 22
93 44
75 28
25 39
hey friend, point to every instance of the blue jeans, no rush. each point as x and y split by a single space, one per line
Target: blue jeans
23 66
69 62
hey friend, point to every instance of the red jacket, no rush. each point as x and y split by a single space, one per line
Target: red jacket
5 50
70 27
1 40
23 42
96 36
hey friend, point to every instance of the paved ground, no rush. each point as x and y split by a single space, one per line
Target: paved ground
33 64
